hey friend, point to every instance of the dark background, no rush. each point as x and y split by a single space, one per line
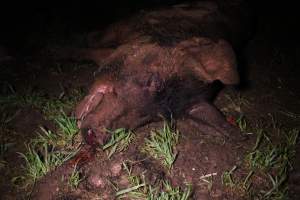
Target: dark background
24 20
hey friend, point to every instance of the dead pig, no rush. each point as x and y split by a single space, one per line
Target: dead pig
170 61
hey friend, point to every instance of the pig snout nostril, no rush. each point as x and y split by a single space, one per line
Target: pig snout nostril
94 138
89 136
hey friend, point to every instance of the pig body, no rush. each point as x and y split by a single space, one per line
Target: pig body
171 61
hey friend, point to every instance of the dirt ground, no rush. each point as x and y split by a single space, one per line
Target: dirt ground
269 96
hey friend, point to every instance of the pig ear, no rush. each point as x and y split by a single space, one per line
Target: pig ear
212 60
225 54
88 104
218 62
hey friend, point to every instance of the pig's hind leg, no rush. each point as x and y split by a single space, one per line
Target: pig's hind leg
211 121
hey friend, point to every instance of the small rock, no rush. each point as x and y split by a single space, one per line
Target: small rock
116 169
96 181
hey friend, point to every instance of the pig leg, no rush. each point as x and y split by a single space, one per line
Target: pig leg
206 114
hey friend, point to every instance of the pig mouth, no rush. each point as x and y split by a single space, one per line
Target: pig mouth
90 136
93 137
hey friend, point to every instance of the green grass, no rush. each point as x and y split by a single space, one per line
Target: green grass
67 130
74 179
5 141
45 137
227 178
139 189
208 180
51 107
5 118
119 141
242 123
290 115
273 161
28 99
40 160
161 145
266 155
4 146
49 150
2 163
269 162
67 126
169 193
237 102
